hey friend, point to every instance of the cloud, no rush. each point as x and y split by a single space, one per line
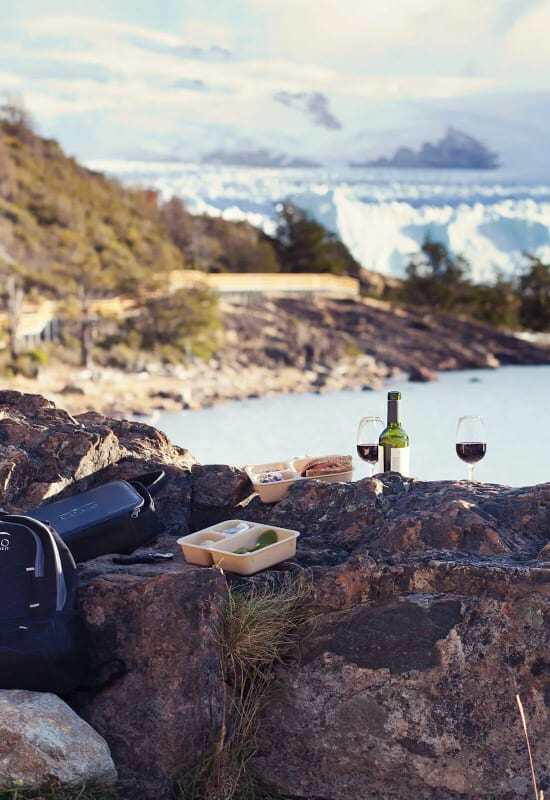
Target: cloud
48 68
527 41
91 31
181 50
190 84
314 104
350 55
198 85
360 29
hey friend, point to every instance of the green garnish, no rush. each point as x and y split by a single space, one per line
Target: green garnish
264 540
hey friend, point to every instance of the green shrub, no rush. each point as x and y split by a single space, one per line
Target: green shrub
304 245
213 244
39 356
175 328
534 289
438 280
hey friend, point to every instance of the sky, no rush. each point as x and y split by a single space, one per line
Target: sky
319 78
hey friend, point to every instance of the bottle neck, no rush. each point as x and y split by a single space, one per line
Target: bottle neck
393 413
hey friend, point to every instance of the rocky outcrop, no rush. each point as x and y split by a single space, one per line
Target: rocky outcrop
44 451
430 609
43 740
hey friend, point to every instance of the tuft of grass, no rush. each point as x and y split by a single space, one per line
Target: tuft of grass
262 623
55 791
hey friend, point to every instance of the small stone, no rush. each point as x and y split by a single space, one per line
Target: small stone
420 374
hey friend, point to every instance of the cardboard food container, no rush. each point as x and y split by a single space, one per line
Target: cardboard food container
221 553
298 464
275 490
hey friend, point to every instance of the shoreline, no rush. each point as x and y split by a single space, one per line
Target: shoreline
119 394
290 345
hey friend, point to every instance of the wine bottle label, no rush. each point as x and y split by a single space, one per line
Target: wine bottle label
400 460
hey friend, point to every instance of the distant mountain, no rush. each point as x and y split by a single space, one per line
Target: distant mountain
257 158
456 150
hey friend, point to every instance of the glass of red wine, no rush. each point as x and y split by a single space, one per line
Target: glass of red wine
368 433
471 443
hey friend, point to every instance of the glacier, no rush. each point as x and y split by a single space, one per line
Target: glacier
383 215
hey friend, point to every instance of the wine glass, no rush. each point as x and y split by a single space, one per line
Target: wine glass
368 434
471 444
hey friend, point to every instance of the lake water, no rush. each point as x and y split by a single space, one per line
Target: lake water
514 402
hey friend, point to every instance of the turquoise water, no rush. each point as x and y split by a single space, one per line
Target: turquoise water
514 401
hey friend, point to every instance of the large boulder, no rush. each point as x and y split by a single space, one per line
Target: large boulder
43 741
156 692
432 610
45 451
413 694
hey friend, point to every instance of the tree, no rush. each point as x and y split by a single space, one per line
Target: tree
437 279
180 325
7 171
496 303
214 244
12 295
534 290
178 222
78 281
304 245
16 121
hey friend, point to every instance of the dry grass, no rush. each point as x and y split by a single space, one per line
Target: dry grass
262 624
55 791
539 794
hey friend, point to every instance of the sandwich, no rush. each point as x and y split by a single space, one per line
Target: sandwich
326 465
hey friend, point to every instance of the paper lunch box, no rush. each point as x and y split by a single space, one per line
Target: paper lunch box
274 491
220 551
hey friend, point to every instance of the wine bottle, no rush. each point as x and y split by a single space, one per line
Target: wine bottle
393 441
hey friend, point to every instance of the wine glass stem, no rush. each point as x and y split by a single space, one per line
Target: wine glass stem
371 470
470 473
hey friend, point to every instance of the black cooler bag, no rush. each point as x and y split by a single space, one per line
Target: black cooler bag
117 517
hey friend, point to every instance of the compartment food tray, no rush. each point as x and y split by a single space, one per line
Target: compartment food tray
220 552
273 492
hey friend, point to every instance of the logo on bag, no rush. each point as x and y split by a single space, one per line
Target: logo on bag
79 511
5 541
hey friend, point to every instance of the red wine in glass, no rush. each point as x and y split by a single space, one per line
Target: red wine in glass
471 452
368 453
471 444
368 433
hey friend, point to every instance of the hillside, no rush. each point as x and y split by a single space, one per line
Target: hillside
56 216
55 213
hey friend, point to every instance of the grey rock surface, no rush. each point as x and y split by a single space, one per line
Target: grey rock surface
43 740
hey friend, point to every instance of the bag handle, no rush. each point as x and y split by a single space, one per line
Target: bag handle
48 540
152 481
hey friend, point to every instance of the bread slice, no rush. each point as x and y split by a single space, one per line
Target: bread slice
326 465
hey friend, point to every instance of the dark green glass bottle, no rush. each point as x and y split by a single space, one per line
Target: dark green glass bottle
393 439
